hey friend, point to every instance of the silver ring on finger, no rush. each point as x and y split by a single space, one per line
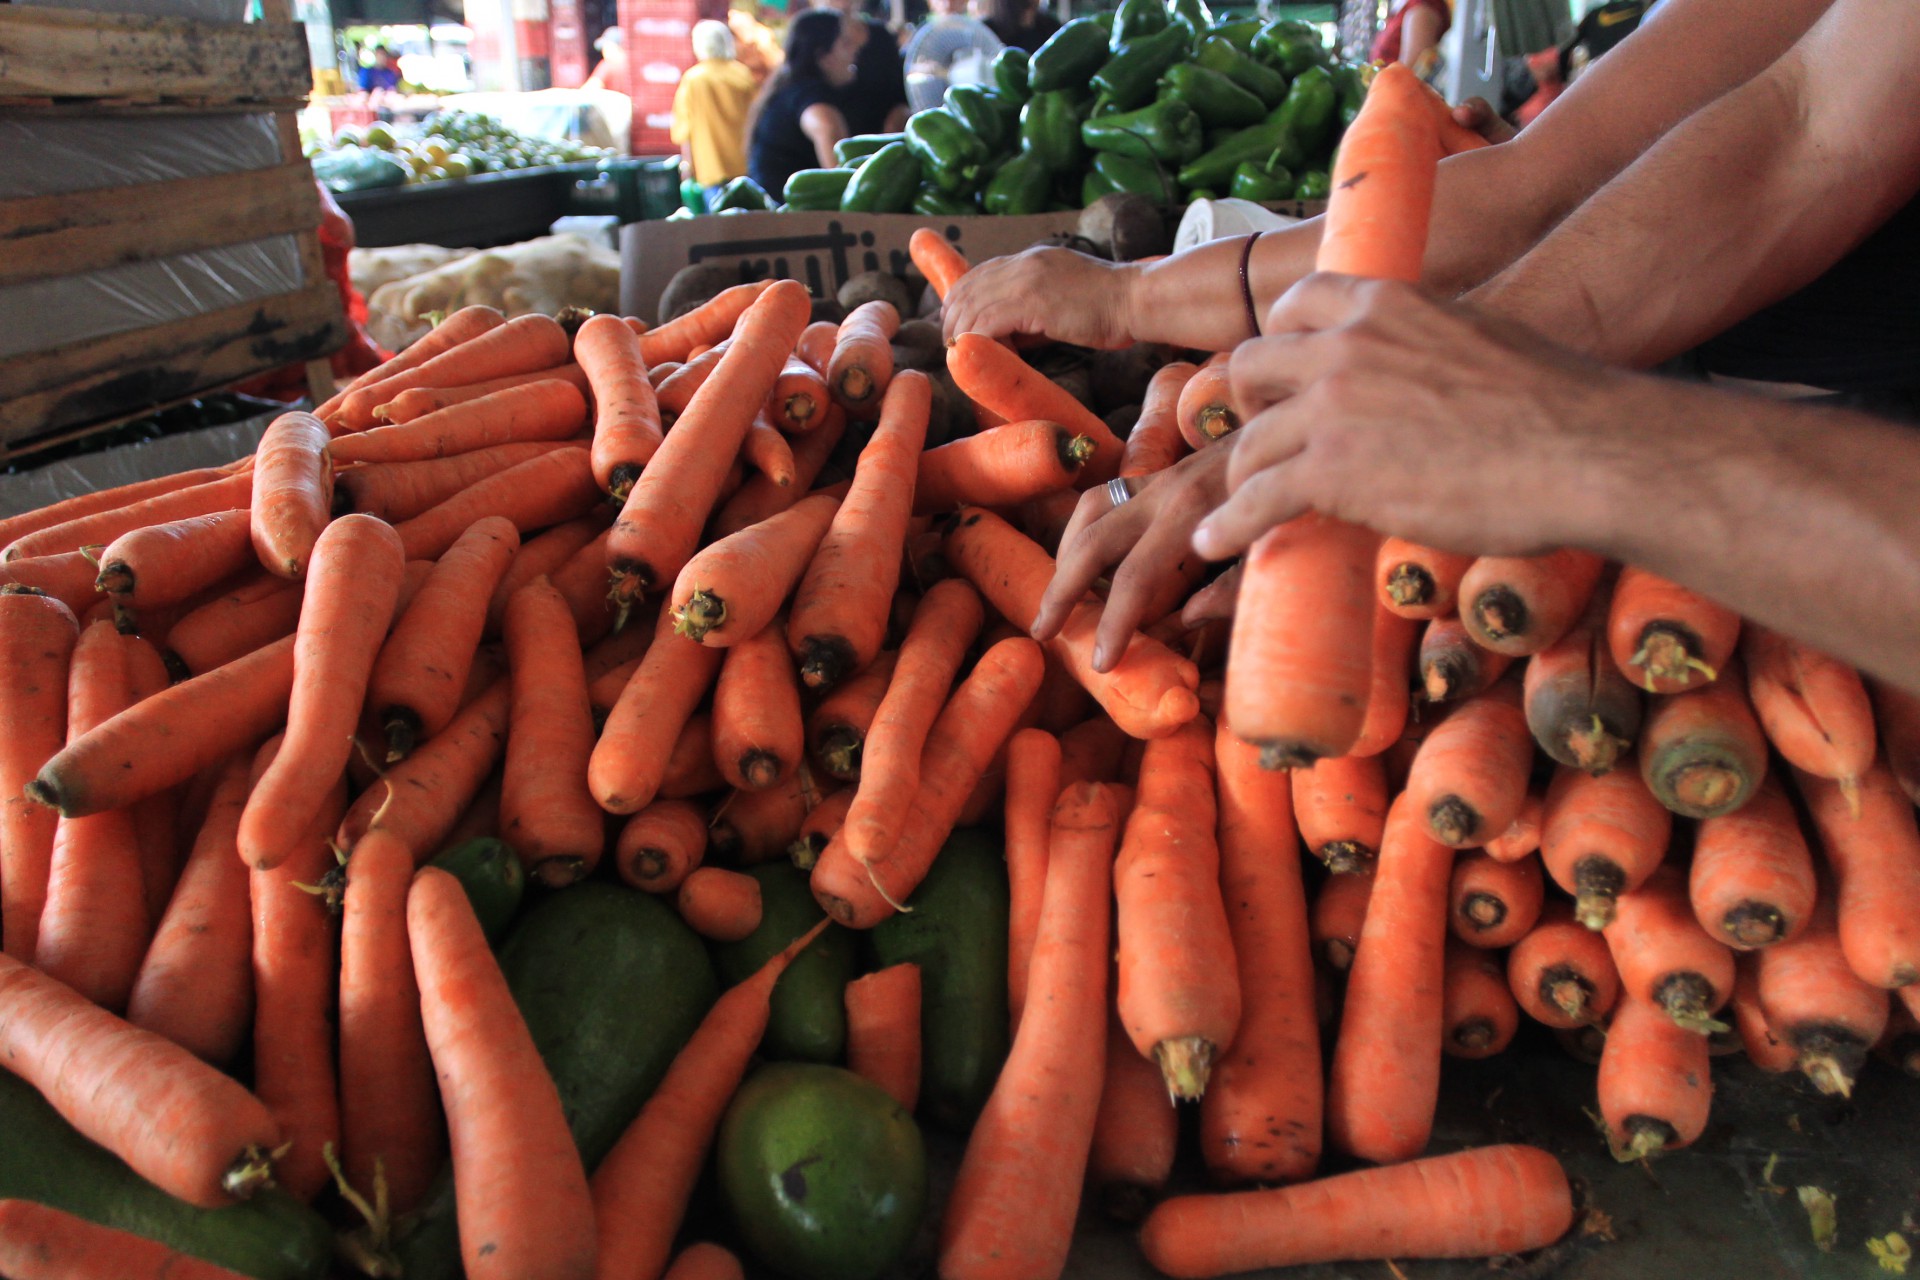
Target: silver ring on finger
1119 491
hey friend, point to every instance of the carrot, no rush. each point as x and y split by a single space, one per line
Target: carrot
1601 837
660 524
165 564
675 392
1752 882
546 411
1261 1118
661 845
397 491
1767 1051
944 625
979 717
583 581
521 1194
547 812
1148 693
1519 605
417 403
705 1261
1492 1200
839 612
719 904
1155 443
541 491
1341 806
758 734
349 600
1339 912
38 1242
641 1190
1093 751
1479 1013
731 590
157 819
1562 973
1815 710
799 400
1492 903
1205 411
626 423
544 555
521 345
1701 752
94 927
1415 581
254 613
1452 666
628 761
998 379
1897 716
99 500
1034 779
706 324
1875 857
1390 696
816 345
1377 223
1469 778
68 577
1179 987
462 325
1655 1086
1523 837
292 492
99 528
433 786
1014 1201
1135 1132
761 498
837 728
37 638
1665 958
937 259
883 1031
817 830
862 363
1817 1005
1665 638
1002 466
750 827
1579 707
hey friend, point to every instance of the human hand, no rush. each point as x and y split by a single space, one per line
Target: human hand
1147 537
1068 296
1373 404
1478 115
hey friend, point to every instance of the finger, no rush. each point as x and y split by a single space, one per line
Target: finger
1215 600
1269 369
1327 301
1084 556
1269 439
1135 583
1263 502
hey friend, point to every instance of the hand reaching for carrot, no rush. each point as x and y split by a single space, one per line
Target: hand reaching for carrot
1068 296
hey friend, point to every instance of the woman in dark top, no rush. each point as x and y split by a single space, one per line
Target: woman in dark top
797 117
1018 23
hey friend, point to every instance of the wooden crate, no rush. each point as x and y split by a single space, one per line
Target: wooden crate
60 62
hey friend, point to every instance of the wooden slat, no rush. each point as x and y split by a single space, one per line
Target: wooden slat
102 378
61 53
42 236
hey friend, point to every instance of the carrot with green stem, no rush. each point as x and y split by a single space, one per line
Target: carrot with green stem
433 786
1519 605
659 526
759 736
1260 1120
862 363
706 324
751 827
397 491
626 420
547 812
1665 958
977 720
1000 467
1341 807
462 326
839 616
1148 693
523 1203
837 727
718 904
1033 784
1655 1083
521 345
70 577
1155 443
1017 1194
1579 707
1601 837
731 590
412 405
351 590
1875 856
417 678
1416 581
542 491
1206 411
883 1031
1665 638
1452 666
165 564
1523 837
1493 903
548 410
1478 1012
37 639
641 1190
996 377
1562 973
292 495
1488 1201
1135 1133
98 528
1752 879
1818 1006
937 259
99 500
1702 752
257 612
1469 778
661 845
1339 914
625 770
1814 709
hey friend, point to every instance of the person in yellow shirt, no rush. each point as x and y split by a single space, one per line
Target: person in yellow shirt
710 109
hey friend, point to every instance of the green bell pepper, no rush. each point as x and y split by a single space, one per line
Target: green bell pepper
693 197
1268 139
949 152
1218 101
1314 184
1350 90
817 189
1023 185
1050 129
1141 177
1198 16
1217 53
973 107
1290 46
1261 182
1009 70
1069 57
745 194
1129 76
885 183
1308 112
1167 132
1136 18
862 144
1239 33
931 202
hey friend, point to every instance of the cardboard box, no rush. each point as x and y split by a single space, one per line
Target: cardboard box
821 250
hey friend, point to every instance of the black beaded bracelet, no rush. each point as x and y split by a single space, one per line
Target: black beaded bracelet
1246 284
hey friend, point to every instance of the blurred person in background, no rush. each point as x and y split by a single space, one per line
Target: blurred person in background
710 109
798 117
755 44
382 74
1018 23
612 71
876 101
1412 34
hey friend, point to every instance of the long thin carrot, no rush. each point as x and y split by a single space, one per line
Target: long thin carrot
69 577
99 528
1493 903
839 615
547 410
37 638
1206 411
1665 958
1580 709
1155 442
1000 467
640 1191
758 734
675 392
541 491
468 322
630 758
732 589
1416 581
660 524
1875 855
998 378
1702 752
862 363
1814 709
521 1195
424 795
521 345
157 819
543 556
1492 1200
661 845
1665 638
1601 837
1562 972
38 1242
767 451
397 491
1341 806
352 587
837 727
1452 666
760 497
1816 1003
1752 879
1386 1061
1655 1084
583 581
1014 1201
883 1031
706 324
1469 778
292 492
1033 784
546 811
937 259
1261 1118
626 419
418 402
99 500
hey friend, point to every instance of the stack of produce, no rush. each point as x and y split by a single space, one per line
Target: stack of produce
454 144
588 610
547 275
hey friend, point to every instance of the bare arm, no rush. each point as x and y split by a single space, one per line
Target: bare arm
1746 201
824 126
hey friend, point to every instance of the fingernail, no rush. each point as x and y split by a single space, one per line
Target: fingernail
1100 656
1203 537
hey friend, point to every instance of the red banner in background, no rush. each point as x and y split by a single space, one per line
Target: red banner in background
659 50
569 56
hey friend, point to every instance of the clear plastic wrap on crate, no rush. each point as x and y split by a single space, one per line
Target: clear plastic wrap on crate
59 155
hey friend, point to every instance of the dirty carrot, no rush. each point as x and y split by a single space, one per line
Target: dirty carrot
1875 855
521 345
1814 710
862 363
99 528
1155 443
1341 806
1135 1132
731 590
1601 837
837 728
1579 707
548 410
165 564
1205 411
760 498
1665 958
758 734
1752 879
628 761
1816 1003
1702 752
999 379
432 787
883 1031
750 827
1417 581
1339 912
1519 605
292 494
706 324
1493 903
412 405
1665 638
1452 666
661 845
38 1242
541 491
547 812
37 638
718 904
1000 467
1469 778
1562 972
626 418
937 259
1655 1083
1033 784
